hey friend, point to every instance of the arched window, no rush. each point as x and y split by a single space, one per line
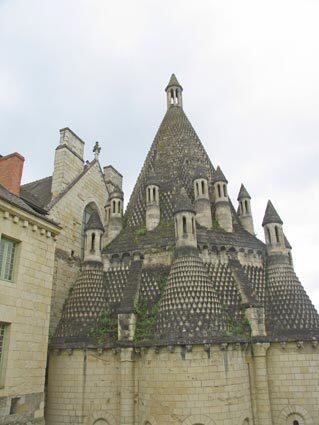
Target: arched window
246 206
154 194
113 206
196 189
277 234
149 194
119 207
88 210
296 422
225 190
93 242
203 187
269 235
219 191
193 226
184 226
172 96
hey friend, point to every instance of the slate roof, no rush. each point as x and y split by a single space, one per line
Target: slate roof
38 192
20 203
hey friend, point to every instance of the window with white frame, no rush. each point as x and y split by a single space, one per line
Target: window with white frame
8 250
3 350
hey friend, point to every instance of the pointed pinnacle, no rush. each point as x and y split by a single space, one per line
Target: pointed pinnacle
271 215
218 176
173 82
243 193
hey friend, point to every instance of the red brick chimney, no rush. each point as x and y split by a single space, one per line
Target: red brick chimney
11 167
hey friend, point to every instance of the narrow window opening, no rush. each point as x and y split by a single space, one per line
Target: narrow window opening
203 187
197 189
101 242
114 206
295 422
184 226
172 96
277 234
119 207
93 242
4 343
225 190
246 206
176 227
193 226
219 191
14 405
148 194
154 194
269 235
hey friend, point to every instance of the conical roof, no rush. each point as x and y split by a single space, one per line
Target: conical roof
243 193
219 176
174 156
189 308
271 215
94 222
173 82
183 203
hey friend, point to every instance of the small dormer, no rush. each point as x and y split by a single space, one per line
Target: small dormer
174 93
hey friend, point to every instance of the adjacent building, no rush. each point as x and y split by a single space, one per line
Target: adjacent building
27 246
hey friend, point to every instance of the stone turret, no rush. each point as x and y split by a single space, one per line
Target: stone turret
93 240
153 214
184 217
222 206
244 210
202 201
115 223
274 235
174 93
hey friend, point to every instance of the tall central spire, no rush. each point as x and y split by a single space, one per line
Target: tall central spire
174 93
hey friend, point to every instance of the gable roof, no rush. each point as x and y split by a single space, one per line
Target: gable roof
38 193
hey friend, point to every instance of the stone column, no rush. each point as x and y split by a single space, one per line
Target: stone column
261 384
127 387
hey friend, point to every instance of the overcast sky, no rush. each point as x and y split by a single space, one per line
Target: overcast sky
250 72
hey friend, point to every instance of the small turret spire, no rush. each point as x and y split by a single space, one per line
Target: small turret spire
271 215
174 92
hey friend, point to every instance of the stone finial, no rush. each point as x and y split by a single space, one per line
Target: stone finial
96 150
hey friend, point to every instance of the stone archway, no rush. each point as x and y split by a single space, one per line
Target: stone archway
291 413
198 420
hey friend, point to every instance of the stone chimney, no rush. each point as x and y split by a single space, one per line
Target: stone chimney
11 167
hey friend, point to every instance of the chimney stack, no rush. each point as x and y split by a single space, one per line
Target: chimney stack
11 167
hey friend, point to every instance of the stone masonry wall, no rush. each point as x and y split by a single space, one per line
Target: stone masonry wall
183 385
293 374
25 307
69 212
